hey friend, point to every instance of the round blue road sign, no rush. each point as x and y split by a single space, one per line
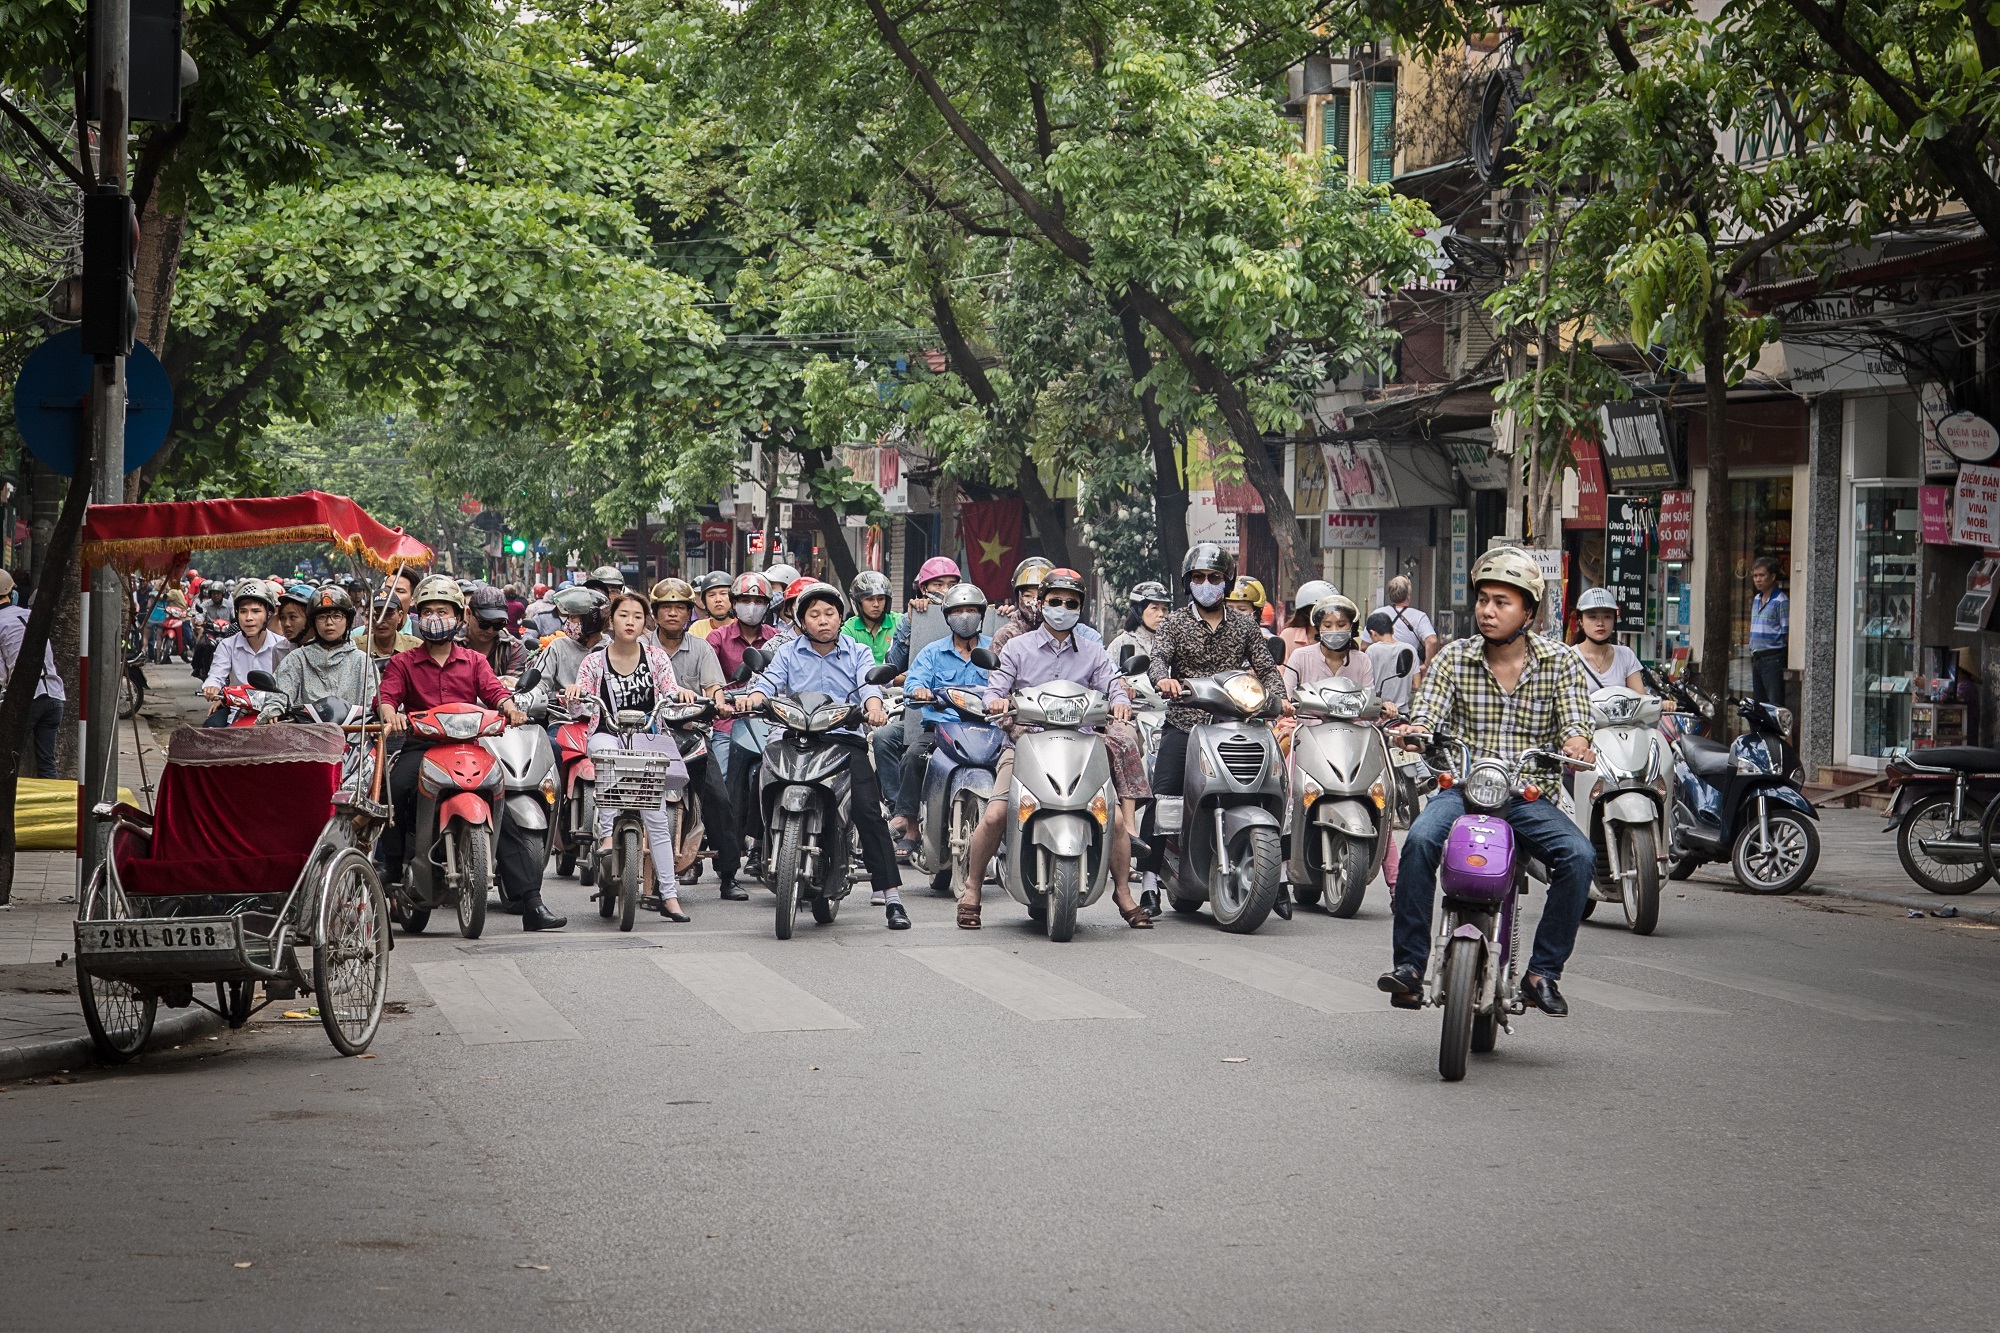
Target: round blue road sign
54 388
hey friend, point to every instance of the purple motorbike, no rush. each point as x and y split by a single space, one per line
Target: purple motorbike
1474 969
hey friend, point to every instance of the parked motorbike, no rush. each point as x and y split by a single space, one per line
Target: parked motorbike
1342 789
1223 831
450 846
958 782
1742 803
1622 804
633 780
1941 797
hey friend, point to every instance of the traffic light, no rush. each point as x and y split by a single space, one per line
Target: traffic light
110 306
157 69
517 546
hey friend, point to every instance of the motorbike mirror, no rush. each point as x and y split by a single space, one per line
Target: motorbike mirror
1135 664
527 680
882 675
984 658
263 680
754 661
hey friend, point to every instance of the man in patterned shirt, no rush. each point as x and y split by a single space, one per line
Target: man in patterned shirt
1503 691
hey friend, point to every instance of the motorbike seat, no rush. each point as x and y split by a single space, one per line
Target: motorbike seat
1960 758
1709 759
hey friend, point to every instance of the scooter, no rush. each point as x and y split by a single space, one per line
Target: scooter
1742 803
246 702
1340 812
1224 830
958 782
689 725
1621 805
573 828
529 788
451 845
634 780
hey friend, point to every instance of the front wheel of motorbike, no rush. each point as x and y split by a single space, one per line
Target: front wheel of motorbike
1485 1033
1185 906
1243 898
415 919
1461 984
631 861
1589 908
1786 862
825 909
1930 821
131 696
1065 891
566 862
1642 896
1306 895
1347 877
475 877
785 870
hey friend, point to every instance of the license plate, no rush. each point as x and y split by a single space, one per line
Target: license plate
205 936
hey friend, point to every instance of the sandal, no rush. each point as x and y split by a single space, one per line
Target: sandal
968 916
1136 917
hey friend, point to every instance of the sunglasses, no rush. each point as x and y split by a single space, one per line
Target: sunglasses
1057 604
1200 577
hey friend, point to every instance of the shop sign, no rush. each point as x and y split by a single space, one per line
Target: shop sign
717 530
1206 523
1590 488
1554 563
1350 532
1932 408
1628 522
1461 550
1676 525
1635 447
1975 509
1977 603
1934 509
1479 468
1358 477
1968 438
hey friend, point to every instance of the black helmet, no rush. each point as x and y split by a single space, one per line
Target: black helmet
707 583
488 604
1064 580
332 597
587 605
1152 590
1209 556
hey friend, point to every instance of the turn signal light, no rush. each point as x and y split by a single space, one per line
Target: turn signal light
1101 809
1445 780
1377 795
1028 807
1531 792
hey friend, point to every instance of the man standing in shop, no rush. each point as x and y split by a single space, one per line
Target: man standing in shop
1770 632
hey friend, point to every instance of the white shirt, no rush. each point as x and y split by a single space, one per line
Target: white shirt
1410 626
235 659
13 629
1624 664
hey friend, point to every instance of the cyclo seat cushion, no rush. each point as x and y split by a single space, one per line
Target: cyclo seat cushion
1709 759
1964 758
237 823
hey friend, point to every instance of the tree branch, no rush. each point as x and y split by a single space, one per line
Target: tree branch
1621 49
955 211
42 141
1769 241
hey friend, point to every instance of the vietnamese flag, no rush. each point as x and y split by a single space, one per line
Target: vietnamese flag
992 532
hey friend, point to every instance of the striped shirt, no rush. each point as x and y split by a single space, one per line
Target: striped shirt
1770 620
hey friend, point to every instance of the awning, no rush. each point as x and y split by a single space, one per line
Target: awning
159 538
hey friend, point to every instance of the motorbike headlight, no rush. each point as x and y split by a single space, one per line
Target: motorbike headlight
1064 712
1486 787
459 726
791 714
1245 691
1343 705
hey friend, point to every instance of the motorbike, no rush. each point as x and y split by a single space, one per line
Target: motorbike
958 782
633 780
132 685
1621 805
528 786
208 632
1341 810
1224 831
573 824
1941 797
450 846
804 793
248 700
1742 803
689 725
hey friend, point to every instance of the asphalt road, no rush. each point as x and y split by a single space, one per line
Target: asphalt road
1770 1115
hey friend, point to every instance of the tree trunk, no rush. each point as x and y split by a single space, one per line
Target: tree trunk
158 266
845 567
1718 587
1170 501
1051 519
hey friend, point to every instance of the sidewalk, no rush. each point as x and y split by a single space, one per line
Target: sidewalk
41 1025
1857 859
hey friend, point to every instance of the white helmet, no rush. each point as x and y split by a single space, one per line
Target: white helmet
781 576
1597 599
1311 593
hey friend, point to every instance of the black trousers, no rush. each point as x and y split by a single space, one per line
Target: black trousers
1767 676
44 722
403 771
717 815
744 765
1169 772
878 849
915 760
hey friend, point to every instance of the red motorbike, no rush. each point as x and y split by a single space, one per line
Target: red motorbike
450 846
245 702
575 824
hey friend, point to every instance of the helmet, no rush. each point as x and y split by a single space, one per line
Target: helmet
1209 556
1030 572
1597 599
438 588
1512 566
1068 580
1335 602
299 592
581 603
867 583
1152 590
963 597
799 585
709 582
938 567
751 585
467 585
488 604
1311 593
255 590
672 590
1247 589
781 575
332 598
605 577
805 592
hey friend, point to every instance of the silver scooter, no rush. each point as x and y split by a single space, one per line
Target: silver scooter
528 799
1225 826
1342 795
1622 803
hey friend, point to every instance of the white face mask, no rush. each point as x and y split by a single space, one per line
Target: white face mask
751 613
965 624
1208 594
1336 640
1061 619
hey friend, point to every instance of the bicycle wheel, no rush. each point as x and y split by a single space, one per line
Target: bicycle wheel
351 953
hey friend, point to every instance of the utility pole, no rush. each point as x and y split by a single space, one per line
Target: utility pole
104 600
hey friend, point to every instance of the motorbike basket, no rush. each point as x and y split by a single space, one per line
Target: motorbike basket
637 779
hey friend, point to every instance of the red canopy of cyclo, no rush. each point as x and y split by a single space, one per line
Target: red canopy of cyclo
159 538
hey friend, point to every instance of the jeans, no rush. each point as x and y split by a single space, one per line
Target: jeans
916 759
1540 829
44 721
889 745
1767 676
718 749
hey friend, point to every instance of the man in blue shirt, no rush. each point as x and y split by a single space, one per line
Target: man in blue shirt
1770 632
939 665
820 658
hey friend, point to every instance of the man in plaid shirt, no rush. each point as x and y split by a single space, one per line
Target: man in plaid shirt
1504 691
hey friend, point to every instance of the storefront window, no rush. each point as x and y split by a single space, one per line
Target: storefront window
1760 523
1358 575
1886 532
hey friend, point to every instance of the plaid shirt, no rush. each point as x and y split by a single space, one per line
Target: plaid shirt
1549 704
1185 648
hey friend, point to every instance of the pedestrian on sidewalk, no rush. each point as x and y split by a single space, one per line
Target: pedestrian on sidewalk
45 713
1770 632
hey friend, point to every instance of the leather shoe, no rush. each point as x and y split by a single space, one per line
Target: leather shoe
1543 994
537 916
898 918
1283 907
731 892
1405 986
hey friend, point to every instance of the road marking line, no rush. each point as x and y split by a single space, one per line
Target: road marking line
750 996
1627 1000
1868 1011
489 1003
1014 983
1983 990
1274 976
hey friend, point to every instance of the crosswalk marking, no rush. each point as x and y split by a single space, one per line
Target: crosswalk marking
1274 976
489 1003
1627 1000
750 996
1014 983
1832 1002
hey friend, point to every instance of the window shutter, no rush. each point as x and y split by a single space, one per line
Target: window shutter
1382 131
1335 128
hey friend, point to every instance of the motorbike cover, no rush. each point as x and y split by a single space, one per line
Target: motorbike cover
1478 862
466 806
1353 817
1063 834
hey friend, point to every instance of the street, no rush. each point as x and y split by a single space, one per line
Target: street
1769 1115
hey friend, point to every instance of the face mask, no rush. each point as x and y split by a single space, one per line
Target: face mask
1208 594
1336 640
751 613
965 624
1061 619
573 627
436 627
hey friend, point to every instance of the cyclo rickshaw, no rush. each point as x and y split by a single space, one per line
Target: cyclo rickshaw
255 864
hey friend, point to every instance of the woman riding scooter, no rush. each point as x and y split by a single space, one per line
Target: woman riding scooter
1606 661
330 665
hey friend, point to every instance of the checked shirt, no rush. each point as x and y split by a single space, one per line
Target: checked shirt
1549 705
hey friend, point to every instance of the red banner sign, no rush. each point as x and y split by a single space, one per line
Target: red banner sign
717 530
1590 489
1676 525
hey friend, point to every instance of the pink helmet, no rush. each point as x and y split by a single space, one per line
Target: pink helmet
938 567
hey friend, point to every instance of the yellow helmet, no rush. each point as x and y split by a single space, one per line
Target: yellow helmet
1327 605
1513 566
672 590
1030 572
1247 589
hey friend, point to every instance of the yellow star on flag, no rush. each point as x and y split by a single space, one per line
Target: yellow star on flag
991 551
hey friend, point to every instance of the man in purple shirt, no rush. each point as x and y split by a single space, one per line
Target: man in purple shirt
1053 652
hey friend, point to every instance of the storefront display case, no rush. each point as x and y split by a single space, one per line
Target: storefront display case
1884 664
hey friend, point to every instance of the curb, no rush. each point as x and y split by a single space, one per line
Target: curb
1926 904
59 1054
